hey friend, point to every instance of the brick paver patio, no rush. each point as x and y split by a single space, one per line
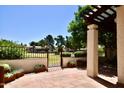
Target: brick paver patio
66 78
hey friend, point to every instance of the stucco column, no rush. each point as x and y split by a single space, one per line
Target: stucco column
120 43
92 50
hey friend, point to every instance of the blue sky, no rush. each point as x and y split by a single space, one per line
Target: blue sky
32 23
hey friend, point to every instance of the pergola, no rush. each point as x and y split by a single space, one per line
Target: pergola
110 18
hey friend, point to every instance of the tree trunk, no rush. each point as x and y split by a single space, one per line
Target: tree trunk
110 53
107 53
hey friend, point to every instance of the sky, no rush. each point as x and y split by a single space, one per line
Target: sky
32 23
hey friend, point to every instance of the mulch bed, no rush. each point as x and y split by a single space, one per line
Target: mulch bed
107 70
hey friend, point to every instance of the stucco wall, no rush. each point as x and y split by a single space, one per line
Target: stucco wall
29 63
26 64
120 43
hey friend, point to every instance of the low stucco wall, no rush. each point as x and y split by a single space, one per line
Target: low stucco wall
29 63
67 59
26 64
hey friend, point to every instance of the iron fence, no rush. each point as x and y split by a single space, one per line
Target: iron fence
14 52
21 52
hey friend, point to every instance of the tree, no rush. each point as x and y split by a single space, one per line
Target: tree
49 41
69 43
60 41
78 29
108 40
42 43
33 43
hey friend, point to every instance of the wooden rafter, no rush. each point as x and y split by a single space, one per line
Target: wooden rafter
96 16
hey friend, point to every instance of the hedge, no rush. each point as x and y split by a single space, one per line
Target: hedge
11 53
66 54
7 67
11 50
80 54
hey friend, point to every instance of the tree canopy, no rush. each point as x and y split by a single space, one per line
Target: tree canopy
33 43
49 41
4 42
60 40
78 29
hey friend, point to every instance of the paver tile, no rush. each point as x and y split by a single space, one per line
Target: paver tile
66 78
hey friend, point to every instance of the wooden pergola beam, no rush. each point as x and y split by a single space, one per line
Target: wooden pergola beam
97 14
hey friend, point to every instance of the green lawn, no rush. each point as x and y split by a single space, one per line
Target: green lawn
53 59
36 55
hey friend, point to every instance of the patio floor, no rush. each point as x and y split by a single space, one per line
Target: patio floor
66 78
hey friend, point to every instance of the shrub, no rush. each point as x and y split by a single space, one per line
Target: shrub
8 77
66 54
7 67
39 68
80 54
11 53
101 51
18 72
71 64
11 50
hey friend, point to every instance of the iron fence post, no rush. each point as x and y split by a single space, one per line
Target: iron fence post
61 59
47 59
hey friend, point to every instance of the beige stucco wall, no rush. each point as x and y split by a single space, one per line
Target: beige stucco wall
26 64
120 43
92 51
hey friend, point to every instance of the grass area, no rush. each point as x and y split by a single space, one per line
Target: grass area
36 55
53 59
101 51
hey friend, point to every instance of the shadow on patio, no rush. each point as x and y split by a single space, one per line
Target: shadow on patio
108 83
105 82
